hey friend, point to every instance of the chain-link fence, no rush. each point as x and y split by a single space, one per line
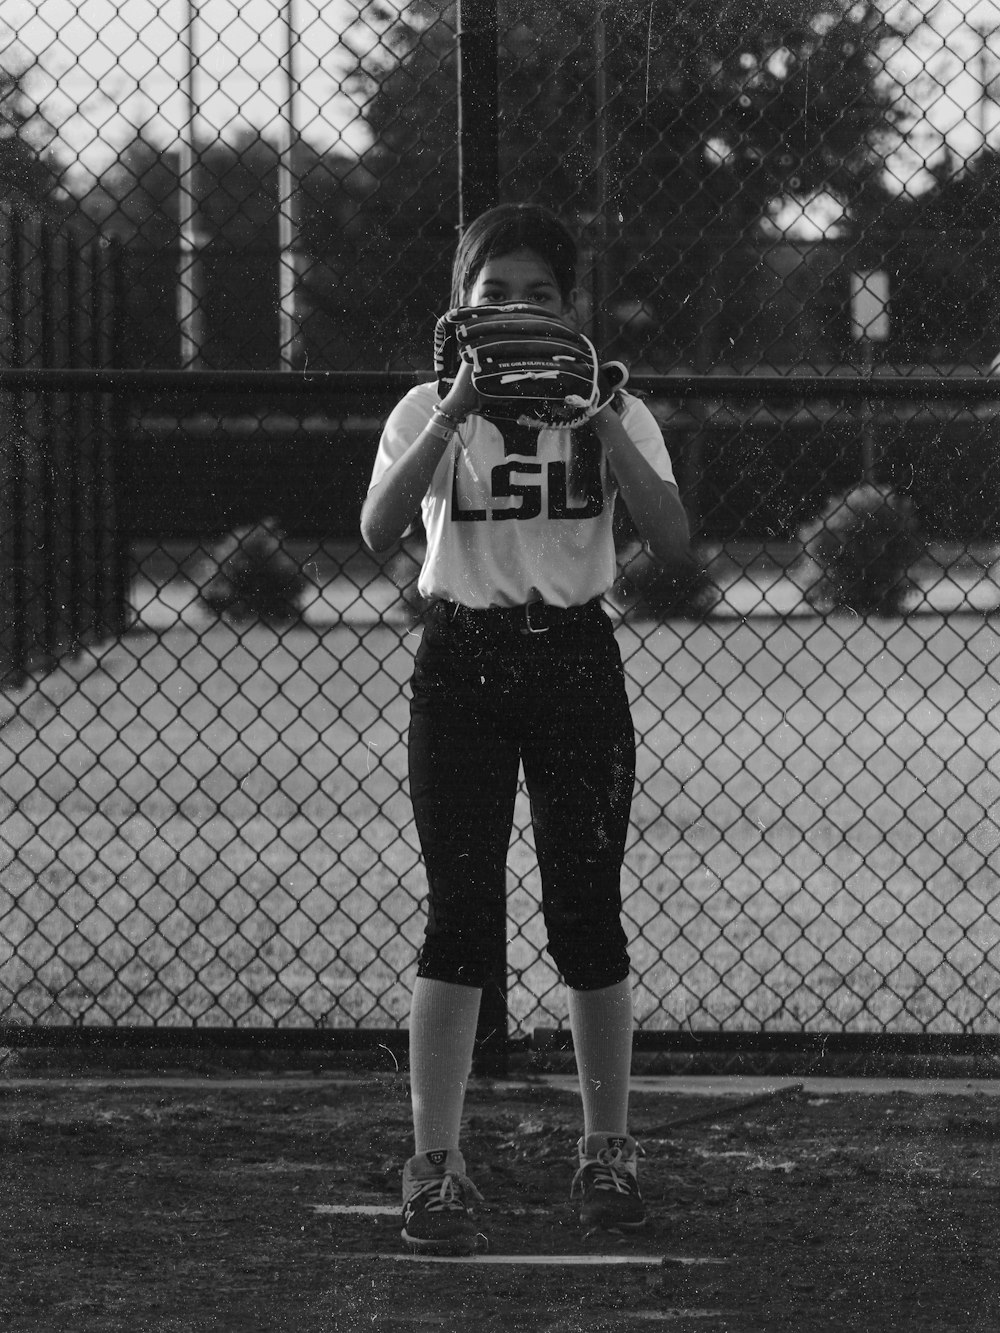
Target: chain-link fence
788 234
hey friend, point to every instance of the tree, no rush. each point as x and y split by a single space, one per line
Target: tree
137 200
28 178
136 197
667 137
941 249
670 135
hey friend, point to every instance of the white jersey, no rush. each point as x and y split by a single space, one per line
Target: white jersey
502 525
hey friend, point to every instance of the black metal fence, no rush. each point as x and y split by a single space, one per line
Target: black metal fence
208 825
62 562
204 823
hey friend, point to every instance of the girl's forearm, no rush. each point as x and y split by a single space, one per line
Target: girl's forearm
392 505
654 504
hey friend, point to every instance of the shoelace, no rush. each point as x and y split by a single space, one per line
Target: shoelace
607 1172
446 1193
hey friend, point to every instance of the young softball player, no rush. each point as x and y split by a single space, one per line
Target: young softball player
518 665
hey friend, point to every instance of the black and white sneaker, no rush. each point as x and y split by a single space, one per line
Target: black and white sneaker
437 1197
607 1180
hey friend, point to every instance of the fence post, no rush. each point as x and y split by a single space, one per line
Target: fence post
10 549
115 299
599 254
47 532
16 481
190 293
478 148
478 190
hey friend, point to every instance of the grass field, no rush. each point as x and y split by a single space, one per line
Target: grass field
213 825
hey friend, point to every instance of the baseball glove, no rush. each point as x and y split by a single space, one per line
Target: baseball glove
527 365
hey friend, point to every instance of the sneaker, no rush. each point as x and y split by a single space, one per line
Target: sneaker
436 1214
608 1181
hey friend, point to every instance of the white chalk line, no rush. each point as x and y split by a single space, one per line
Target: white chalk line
540 1260
390 1210
673 1312
535 1260
355 1209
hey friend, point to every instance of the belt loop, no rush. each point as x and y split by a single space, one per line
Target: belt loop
444 610
528 627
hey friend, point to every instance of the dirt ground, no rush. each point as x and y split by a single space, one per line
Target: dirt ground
191 1203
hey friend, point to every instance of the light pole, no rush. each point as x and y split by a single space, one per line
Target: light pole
984 80
288 341
190 277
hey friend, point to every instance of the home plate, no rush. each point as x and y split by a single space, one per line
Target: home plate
543 1260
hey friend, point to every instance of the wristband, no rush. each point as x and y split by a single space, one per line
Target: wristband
443 424
454 422
440 429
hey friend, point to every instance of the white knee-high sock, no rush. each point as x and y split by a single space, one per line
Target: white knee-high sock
443 1020
601 1022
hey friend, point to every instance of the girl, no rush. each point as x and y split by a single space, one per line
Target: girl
519 665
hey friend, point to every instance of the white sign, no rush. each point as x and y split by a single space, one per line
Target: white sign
870 305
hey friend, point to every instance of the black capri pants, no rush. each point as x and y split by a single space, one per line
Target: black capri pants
490 694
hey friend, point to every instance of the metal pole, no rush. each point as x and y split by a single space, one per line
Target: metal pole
478 117
16 482
478 190
47 529
121 545
287 212
985 83
190 284
598 279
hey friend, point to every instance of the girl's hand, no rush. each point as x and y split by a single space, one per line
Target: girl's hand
461 398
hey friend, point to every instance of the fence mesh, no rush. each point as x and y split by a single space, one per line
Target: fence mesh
204 816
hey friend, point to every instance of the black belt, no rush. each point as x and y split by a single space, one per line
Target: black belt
531 618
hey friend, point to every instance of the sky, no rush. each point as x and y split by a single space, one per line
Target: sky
949 71
102 68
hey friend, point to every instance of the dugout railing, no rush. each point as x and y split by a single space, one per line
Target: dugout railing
200 847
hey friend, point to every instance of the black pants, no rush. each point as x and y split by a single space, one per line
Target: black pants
487 696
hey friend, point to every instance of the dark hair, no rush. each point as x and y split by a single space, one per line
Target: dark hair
500 231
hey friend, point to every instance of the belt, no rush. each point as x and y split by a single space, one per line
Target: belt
531 618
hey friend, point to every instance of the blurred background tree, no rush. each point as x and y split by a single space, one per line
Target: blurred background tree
943 250
29 179
714 120
685 141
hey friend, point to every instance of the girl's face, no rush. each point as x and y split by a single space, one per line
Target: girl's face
522 276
